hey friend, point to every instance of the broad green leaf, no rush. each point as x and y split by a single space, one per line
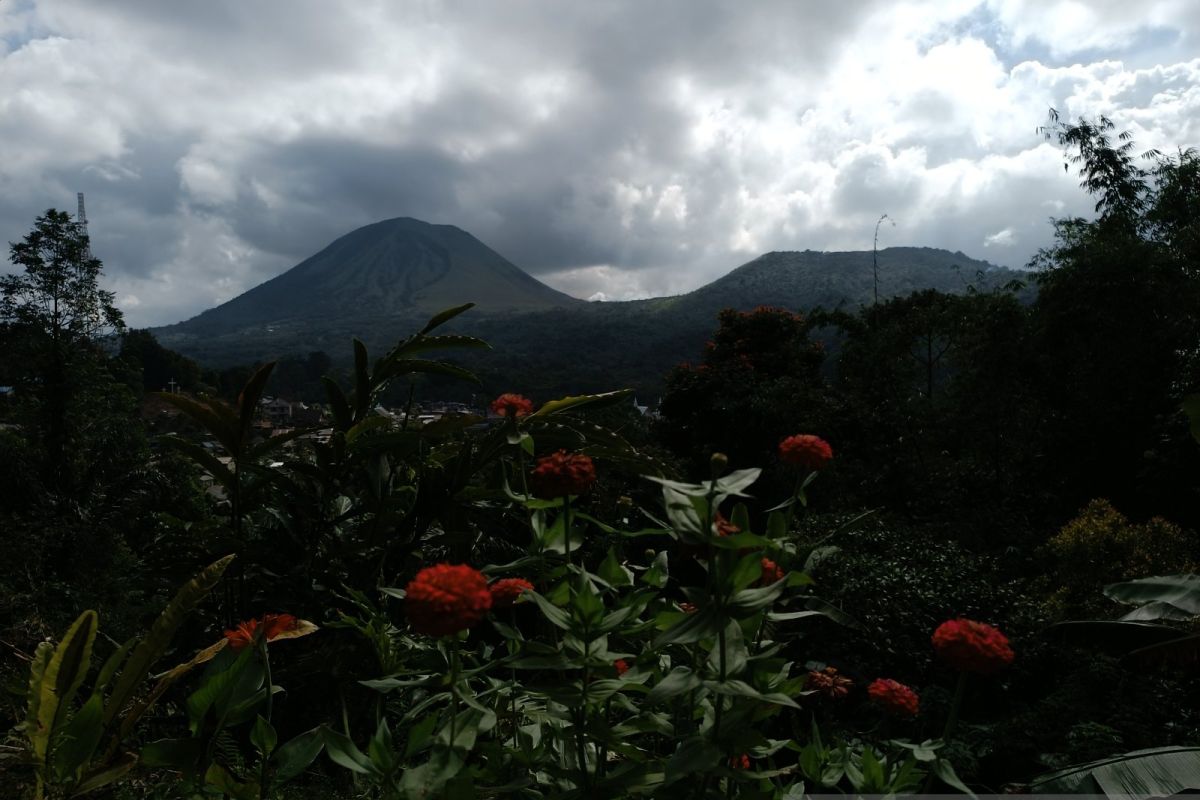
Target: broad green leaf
1191 408
1157 772
263 736
293 757
553 613
442 317
658 573
109 772
1181 591
691 628
247 402
676 682
694 754
79 739
1112 636
612 572
63 675
178 754
581 401
440 342
945 772
343 752
156 641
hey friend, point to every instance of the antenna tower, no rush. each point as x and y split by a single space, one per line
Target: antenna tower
81 227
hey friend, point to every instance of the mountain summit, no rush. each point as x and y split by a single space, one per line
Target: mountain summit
400 267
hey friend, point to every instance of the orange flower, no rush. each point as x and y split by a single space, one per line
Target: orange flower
723 526
272 624
507 591
771 572
740 762
829 683
445 599
805 450
512 405
620 666
561 474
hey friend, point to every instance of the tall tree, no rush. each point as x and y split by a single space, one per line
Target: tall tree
1116 316
55 317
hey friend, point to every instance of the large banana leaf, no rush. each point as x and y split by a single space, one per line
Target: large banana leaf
155 643
59 679
1112 636
1158 772
1181 591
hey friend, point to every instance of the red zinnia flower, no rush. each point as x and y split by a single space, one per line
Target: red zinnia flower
740 762
620 666
561 474
445 599
771 572
972 646
829 683
507 591
895 697
805 450
272 625
512 405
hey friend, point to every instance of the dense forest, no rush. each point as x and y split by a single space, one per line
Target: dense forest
939 543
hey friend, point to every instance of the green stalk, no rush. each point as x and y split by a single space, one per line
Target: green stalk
791 511
960 691
566 514
262 765
454 673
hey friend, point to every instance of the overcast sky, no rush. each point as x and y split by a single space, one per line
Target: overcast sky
613 149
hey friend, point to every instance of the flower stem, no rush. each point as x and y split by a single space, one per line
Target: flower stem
960 691
454 672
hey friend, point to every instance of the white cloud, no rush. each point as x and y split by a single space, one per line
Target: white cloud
624 149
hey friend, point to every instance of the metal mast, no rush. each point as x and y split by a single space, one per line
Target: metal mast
875 251
81 228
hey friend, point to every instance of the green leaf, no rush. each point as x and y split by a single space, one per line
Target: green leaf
293 758
612 572
676 682
343 752
155 643
553 613
79 739
694 754
736 688
1157 772
1181 591
735 651
691 628
263 736
442 317
748 601
177 754
338 404
439 342
581 401
247 402
1112 636
110 772
945 772
1191 408
61 677
658 573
